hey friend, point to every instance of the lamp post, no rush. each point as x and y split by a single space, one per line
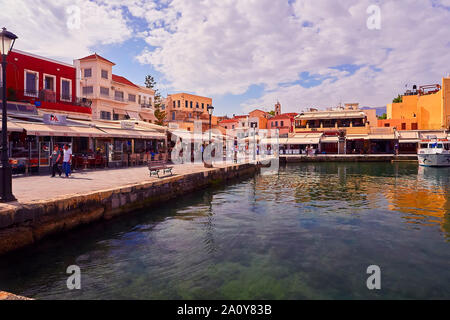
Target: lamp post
210 112
7 40
254 125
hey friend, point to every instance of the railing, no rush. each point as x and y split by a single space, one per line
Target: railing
47 96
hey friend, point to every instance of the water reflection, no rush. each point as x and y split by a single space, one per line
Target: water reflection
421 194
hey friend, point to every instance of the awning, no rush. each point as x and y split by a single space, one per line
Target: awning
35 129
120 111
390 136
147 115
357 137
121 133
303 139
408 141
151 135
272 141
408 136
133 115
13 127
329 139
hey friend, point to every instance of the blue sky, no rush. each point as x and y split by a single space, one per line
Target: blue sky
302 53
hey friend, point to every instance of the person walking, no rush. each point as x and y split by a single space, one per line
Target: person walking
55 159
67 160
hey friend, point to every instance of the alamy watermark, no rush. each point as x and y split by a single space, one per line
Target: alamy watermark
74 280
237 146
374 20
374 280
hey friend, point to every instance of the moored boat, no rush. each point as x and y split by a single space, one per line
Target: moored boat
434 152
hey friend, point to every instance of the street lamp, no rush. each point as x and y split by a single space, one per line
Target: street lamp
7 40
210 112
254 125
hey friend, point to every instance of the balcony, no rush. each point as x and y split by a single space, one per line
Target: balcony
50 100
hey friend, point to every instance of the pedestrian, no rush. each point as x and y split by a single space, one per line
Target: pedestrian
67 160
55 159
396 147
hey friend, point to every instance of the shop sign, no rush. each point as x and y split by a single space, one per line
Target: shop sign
127 125
55 119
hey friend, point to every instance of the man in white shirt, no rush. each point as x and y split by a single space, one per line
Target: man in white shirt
67 160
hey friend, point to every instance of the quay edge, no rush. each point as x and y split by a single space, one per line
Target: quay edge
347 158
22 224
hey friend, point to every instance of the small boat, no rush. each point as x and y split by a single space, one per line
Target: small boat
434 152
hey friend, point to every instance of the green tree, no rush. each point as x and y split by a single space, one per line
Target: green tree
399 99
272 113
383 117
160 114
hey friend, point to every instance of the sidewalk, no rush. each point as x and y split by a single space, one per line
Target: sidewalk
32 188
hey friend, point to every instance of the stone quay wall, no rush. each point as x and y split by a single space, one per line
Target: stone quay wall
24 224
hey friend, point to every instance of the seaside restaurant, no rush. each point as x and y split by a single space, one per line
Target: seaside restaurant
94 145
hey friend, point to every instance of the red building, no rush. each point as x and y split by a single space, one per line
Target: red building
48 84
284 122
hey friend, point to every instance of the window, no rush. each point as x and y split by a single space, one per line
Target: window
105 115
276 123
191 104
197 106
118 95
414 126
31 83
232 126
174 104
104 74
203 106
424 146
49 82
132 97
88 90
403 126
104 91
87 73
186 104
179 103
66 89
173 115
387 125
115 116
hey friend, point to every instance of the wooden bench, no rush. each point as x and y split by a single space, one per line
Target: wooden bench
156 166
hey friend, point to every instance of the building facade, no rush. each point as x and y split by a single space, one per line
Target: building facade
423 108
47 84
343 130
183 110
113 97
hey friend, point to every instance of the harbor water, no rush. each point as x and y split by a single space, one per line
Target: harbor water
309 231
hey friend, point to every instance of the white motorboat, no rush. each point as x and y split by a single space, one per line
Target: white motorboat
434 152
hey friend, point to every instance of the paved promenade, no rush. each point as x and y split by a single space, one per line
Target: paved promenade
33 188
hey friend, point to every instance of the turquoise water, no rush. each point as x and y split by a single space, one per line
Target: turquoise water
309 232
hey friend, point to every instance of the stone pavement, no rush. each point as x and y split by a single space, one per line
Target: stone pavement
34 188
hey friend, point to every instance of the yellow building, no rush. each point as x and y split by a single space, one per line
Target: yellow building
183 109
426 108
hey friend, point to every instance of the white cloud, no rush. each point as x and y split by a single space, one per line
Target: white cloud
42 26
225 47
